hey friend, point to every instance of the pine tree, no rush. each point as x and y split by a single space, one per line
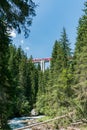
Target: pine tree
23 104
41 102
58 88
31 87
80 66
4 76
66 48
13 66
18 15
47 89
57 56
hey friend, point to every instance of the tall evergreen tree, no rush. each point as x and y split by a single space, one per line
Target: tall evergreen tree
23 106
13 67
31 87
66 48
80 66
58 88
57 56
4 76
24 85
41 102
18 15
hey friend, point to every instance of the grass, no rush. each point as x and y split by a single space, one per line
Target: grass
83 127
45 118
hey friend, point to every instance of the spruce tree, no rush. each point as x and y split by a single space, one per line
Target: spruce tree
80 66
4 77
57 56
66 48
58 86
23 104
42 95
18 15
31 87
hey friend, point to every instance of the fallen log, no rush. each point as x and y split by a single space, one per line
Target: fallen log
50 120
84 120
76 123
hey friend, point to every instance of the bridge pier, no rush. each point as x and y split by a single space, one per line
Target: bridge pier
42 62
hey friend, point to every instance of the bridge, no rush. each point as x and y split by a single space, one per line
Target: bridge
42 62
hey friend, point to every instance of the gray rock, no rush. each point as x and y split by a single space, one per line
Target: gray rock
34 112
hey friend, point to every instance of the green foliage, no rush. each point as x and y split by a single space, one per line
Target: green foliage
4 76
17 14
41 101
80 67
66 48
54 95
45 118
57 57
23 86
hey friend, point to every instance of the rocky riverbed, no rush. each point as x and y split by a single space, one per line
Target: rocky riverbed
19 123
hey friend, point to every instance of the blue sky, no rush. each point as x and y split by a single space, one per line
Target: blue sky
51 17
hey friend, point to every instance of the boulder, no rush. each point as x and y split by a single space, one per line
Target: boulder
34 112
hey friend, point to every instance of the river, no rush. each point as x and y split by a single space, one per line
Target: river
22 121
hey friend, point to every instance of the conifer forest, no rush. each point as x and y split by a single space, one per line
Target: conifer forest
60 89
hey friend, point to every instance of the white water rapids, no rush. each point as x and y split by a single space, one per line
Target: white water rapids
21 121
